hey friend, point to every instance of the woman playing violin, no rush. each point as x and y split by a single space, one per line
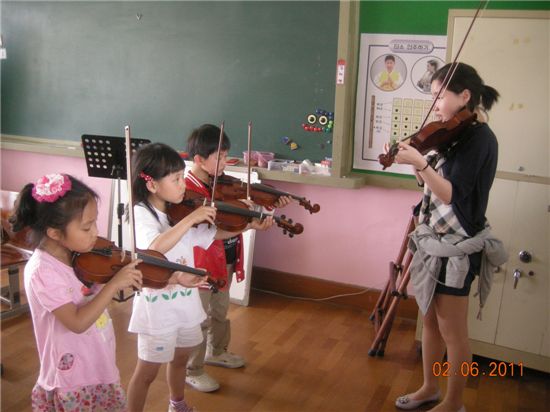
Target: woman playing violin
453 235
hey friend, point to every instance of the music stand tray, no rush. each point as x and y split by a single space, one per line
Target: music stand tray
106 157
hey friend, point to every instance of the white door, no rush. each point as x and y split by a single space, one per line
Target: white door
510 50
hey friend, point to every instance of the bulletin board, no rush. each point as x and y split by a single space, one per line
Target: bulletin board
393 92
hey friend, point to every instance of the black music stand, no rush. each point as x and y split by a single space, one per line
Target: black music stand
106 157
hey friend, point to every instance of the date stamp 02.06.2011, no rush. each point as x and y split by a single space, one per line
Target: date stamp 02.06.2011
495 369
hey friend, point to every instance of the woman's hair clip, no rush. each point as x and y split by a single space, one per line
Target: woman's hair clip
145 176
51 187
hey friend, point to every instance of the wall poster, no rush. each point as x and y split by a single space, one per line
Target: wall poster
393 92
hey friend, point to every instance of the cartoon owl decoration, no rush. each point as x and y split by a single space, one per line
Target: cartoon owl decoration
321 121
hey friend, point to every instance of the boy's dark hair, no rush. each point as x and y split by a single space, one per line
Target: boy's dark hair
39 216
389 57
204 140
156 160
466 77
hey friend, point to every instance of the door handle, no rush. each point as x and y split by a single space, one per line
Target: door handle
517 275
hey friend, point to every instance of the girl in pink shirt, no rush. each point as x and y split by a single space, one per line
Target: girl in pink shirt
73 330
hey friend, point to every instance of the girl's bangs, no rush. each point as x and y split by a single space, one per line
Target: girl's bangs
172 163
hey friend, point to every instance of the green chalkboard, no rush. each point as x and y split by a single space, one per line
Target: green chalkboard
76 68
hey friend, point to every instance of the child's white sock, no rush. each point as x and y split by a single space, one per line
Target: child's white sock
181 406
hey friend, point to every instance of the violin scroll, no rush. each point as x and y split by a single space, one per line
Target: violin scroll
387 159
308 206
288 226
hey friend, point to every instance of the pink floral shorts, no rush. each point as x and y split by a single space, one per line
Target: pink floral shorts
110 397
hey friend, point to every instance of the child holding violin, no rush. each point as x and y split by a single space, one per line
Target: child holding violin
221 259
74 333
167 320
452 242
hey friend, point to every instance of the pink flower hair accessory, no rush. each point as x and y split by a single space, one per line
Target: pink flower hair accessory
51 187
145 176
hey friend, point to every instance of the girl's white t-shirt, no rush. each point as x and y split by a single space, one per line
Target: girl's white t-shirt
161 311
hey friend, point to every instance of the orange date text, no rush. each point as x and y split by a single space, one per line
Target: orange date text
465 369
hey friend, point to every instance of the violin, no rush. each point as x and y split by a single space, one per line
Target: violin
436 135
231 215
230 187
101 263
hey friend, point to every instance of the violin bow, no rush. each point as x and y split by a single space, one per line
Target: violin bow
249 160
217 165
133 253
454 64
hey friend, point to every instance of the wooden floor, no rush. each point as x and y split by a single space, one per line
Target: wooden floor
301 356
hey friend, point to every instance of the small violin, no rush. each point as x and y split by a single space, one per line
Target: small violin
436 135
231 215
105 260
229 187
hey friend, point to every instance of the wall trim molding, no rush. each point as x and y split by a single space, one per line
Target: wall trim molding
56 147
71 148
355 180
289 284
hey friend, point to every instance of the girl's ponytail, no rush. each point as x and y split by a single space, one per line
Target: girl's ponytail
489 96
25 209
466 77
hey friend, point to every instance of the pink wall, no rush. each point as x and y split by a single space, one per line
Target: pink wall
351 240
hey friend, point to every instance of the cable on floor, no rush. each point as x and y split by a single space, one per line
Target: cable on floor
361 292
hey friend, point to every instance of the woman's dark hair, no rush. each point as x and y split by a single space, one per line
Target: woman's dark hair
466 77
204 140
156 160
39 216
